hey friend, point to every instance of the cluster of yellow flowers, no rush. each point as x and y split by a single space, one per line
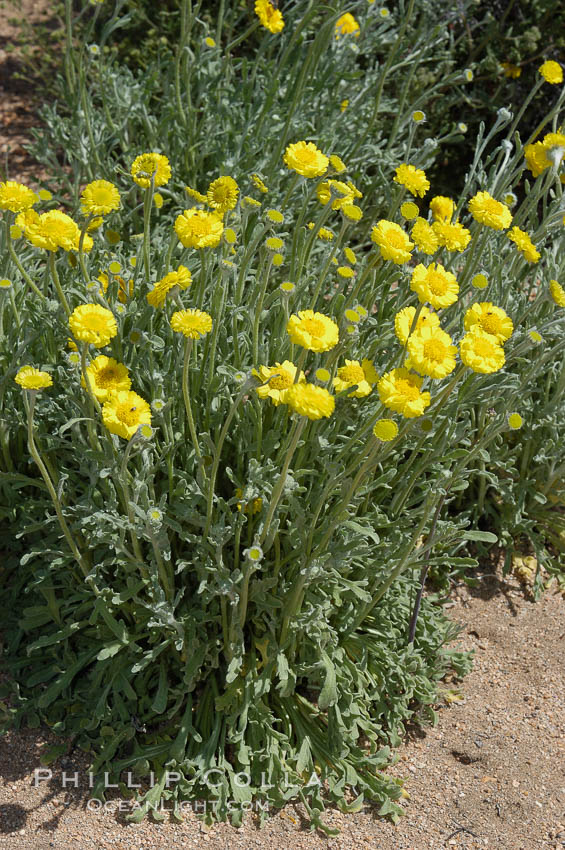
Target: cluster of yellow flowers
429 351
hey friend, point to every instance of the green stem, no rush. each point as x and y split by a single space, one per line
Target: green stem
279 486
186 396
57 282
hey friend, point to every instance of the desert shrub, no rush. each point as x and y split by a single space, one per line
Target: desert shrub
261 387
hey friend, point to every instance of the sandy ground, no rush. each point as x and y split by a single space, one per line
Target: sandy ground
490 774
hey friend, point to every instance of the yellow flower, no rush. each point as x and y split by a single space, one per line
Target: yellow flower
124 412
106 376
181 278
454 236
515 421
194 324
424 236
362 375
30 378
352 212
275 216
344 104
196 195
274 243
99 198
536 158
552 72
313 331
199 229
385 430
400 390
393 242
222 194
412 178
16 197
434 285
557 292
346 25
310 400
409 210
329 188
479 281
511 70
270 17
52 230
306 159
93 324
346 272
486 210
524 244
252 507
432 352
442 208
158 200
337 163
148 164
405 317
259 183
490 319
481 352
535 336
279 377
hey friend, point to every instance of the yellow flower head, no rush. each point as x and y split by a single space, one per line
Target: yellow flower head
181 278
409 210
194 324
99 198
490 319
557 292
280 378
254 506
331 188
400 390
93 324
106 376
270 17
196 195
199 229
511 70
148 164
405 317
347 25
352 212
393 242
30 378
536 158
306 159
442 208
424 236
222 194
385 430
259 183
552 72
337 164
481 352
412 178
486 210
16 197
362 375
432 352
124 412
515 421
524 244
310 400
454 236
313 331
434 285
52 230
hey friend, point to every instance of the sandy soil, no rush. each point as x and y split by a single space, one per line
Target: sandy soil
490 774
